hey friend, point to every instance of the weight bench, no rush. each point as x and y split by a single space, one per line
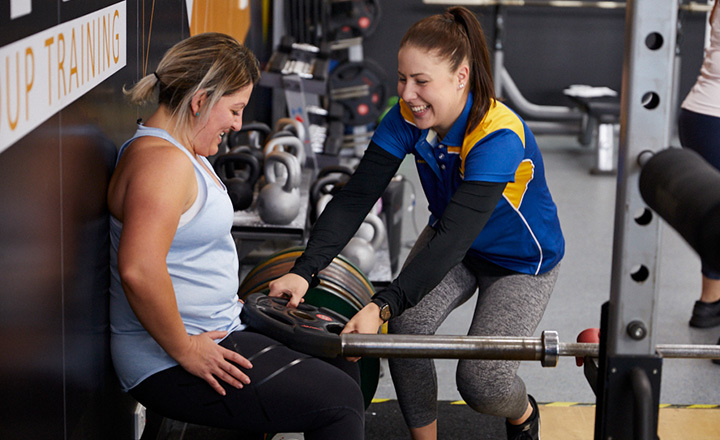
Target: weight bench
601 108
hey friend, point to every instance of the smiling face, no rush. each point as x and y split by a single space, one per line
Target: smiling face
436 95
224 116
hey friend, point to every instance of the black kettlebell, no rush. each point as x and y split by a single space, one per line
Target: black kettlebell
250 138
240 189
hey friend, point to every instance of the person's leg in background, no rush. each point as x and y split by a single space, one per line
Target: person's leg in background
701 133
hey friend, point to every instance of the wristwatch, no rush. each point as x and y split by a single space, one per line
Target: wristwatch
385 312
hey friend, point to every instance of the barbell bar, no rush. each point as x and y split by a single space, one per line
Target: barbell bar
547 348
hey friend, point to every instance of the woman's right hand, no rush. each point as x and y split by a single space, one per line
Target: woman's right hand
289 286
210 361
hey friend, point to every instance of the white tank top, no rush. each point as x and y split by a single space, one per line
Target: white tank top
203 266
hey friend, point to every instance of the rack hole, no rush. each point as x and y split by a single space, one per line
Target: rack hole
650 100
643 216
654 41
639 273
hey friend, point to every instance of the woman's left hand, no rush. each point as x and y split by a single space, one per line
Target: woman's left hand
366 321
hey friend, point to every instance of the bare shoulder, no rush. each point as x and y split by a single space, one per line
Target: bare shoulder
151 167
155 153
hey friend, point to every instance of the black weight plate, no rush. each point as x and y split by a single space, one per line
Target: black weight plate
307 329
349 75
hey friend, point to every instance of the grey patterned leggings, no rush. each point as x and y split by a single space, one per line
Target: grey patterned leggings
506 306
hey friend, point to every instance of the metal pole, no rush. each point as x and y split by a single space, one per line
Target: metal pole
546 348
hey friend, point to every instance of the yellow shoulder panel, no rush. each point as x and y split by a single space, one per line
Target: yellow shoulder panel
498 117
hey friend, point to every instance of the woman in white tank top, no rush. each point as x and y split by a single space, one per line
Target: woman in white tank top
178 344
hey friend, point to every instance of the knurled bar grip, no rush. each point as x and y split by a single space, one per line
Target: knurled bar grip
545 349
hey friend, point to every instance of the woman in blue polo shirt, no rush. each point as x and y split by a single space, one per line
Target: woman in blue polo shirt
493 226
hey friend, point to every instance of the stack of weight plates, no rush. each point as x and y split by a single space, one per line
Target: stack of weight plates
343 288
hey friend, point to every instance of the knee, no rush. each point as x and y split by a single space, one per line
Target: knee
484 387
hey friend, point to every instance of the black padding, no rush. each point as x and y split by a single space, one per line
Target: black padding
681 187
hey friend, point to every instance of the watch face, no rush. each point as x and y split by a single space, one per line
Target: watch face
385 312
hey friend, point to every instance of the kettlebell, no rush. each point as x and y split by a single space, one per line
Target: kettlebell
250 138
240 189
287 143
292 125
360 251
322 191
280 203
253 134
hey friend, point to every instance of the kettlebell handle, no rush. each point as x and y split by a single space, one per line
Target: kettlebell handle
250 127
378 228
297 126
295 144
291 164
317 189
227 161
335 169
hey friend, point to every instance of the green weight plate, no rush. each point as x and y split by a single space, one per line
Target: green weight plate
340 291
338 275
369 378
321 297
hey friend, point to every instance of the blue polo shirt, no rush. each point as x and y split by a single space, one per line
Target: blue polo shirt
523 234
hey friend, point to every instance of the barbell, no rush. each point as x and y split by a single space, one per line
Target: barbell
316 331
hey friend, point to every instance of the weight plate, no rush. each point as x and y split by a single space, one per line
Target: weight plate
369 378
340 272
359 88
344 297
352 18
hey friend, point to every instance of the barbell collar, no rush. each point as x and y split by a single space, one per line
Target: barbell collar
551 348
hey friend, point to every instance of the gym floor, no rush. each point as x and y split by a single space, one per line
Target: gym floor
586 204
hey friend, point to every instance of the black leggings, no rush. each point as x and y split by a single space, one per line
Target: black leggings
701 133
289 392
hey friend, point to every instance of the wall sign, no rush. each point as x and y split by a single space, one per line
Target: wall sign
45 72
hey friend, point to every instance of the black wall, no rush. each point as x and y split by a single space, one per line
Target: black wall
546 49
56 378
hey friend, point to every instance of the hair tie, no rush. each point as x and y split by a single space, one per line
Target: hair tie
156 76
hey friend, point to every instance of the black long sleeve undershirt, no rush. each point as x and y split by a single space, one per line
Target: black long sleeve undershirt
346 211
465 216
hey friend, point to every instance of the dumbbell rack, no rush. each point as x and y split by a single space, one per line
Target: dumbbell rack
295 93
